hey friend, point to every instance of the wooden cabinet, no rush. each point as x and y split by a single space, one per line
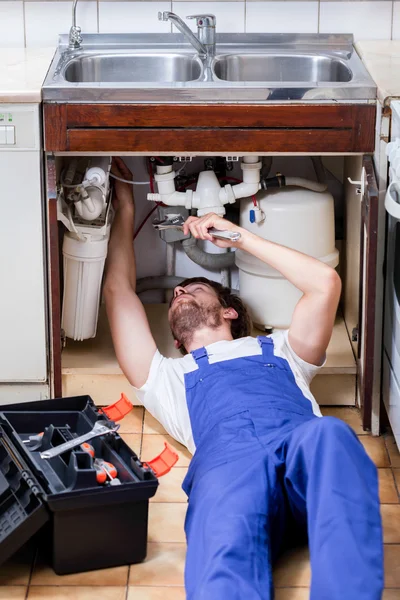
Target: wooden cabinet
210 128
153 129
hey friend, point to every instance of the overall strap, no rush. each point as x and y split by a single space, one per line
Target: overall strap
267 346
200 356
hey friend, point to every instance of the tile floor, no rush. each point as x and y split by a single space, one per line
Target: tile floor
160 577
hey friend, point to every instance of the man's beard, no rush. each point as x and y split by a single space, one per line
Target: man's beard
188 317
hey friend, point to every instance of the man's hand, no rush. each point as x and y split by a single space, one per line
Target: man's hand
199 226
123 192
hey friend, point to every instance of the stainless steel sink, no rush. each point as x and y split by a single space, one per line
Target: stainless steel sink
110 68
247 68
281 68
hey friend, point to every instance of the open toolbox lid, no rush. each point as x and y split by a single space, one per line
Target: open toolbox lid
22 509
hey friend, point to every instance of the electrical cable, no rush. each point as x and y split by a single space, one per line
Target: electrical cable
143 223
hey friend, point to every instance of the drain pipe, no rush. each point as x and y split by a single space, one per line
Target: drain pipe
214 262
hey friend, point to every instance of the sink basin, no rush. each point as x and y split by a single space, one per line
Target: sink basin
282 68
118 68
247 68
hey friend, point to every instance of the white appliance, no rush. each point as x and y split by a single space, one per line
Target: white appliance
391 351
23 336
294 217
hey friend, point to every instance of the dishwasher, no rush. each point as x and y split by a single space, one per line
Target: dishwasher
23 338
391 339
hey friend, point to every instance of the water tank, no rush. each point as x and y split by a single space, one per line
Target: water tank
294 217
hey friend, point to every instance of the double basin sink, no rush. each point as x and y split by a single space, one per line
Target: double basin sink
245 68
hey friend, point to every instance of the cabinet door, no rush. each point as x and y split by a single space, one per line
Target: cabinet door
370 313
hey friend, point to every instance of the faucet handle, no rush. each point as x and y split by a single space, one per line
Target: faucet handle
205 20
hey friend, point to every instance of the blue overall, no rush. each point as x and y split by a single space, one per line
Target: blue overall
265 466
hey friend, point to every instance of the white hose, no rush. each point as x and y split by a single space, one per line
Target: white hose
130 180
314 186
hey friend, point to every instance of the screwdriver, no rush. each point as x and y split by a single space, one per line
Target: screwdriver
104 469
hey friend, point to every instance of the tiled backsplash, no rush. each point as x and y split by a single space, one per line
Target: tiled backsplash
33 23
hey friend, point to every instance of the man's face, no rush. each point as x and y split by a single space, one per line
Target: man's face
193 307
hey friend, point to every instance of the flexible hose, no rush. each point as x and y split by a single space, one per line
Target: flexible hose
164 282
130 180
213 262
314 186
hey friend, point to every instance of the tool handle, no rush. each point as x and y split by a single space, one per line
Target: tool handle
234 236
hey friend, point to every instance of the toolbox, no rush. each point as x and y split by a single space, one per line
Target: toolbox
84 525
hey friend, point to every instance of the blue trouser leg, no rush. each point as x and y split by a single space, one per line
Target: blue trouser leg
332 486
233 511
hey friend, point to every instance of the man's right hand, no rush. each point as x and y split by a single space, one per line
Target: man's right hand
123 192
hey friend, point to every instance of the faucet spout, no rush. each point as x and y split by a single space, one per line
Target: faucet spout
75 37
183 28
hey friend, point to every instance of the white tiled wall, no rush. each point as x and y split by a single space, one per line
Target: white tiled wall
36 23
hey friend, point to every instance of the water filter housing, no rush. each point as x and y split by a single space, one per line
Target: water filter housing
294 217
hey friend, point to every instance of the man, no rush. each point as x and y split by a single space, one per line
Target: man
266 462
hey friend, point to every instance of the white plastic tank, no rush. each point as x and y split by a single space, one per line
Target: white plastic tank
83 269
294 217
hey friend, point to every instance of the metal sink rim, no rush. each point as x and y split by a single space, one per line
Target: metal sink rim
339 47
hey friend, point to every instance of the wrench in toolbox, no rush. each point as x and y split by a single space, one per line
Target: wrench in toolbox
100 428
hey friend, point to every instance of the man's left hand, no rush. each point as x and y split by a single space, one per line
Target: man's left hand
199 226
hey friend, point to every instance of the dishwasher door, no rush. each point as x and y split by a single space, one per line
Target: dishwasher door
23 337
391 338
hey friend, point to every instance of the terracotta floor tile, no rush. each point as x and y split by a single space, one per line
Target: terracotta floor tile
170 487
43 574
392 565
393 451
15 592
351 416
293 569
293 593
166 522
153 444
17 569
391 595
376 450
396 473
151 425
133 421
164 565
156 593
134 441
391 523
77 593
387 489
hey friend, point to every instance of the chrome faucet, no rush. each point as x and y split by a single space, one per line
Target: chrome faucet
204 43
75 38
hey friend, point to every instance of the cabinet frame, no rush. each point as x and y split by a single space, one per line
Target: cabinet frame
236 129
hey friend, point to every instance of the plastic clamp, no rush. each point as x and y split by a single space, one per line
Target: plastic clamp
163 463
118 410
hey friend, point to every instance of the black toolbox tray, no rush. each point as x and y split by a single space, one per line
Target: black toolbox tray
90 526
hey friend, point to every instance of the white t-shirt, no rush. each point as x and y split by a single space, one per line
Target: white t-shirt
164 396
